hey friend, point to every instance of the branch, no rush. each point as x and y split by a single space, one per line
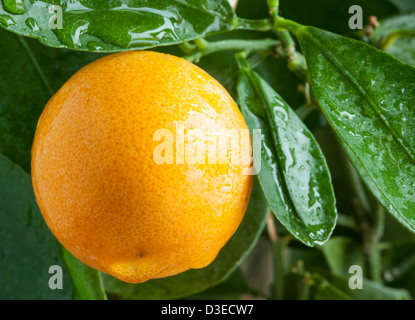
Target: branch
234 45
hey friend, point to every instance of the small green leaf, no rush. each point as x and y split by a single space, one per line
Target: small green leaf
196 280
368 98
293 172
117 25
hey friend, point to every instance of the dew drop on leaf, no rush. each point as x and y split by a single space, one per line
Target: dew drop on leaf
95 46
32 24
14 6
6 20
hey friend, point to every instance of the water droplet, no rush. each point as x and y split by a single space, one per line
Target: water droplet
166 29
14 6
6 21
281 116
347 115
32 24
95 46
79 28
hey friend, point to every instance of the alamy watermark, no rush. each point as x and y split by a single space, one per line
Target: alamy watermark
356 278
56 280
209 146
356 20
56 21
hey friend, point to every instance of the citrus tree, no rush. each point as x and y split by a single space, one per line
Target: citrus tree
331 214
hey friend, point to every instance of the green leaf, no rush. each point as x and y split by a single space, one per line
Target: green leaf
368 98
193 281
399 32
293 172
117 25
28 249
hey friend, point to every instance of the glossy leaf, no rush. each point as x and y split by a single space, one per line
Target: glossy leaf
368 98
116 25
293 172
196 280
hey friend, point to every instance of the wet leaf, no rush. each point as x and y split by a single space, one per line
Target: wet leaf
368 98
292 170
116 25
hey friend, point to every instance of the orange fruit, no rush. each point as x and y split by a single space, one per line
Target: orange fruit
99 181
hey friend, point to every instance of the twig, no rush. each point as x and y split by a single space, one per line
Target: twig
231 44
296 61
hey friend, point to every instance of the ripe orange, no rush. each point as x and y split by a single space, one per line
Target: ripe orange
99 187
